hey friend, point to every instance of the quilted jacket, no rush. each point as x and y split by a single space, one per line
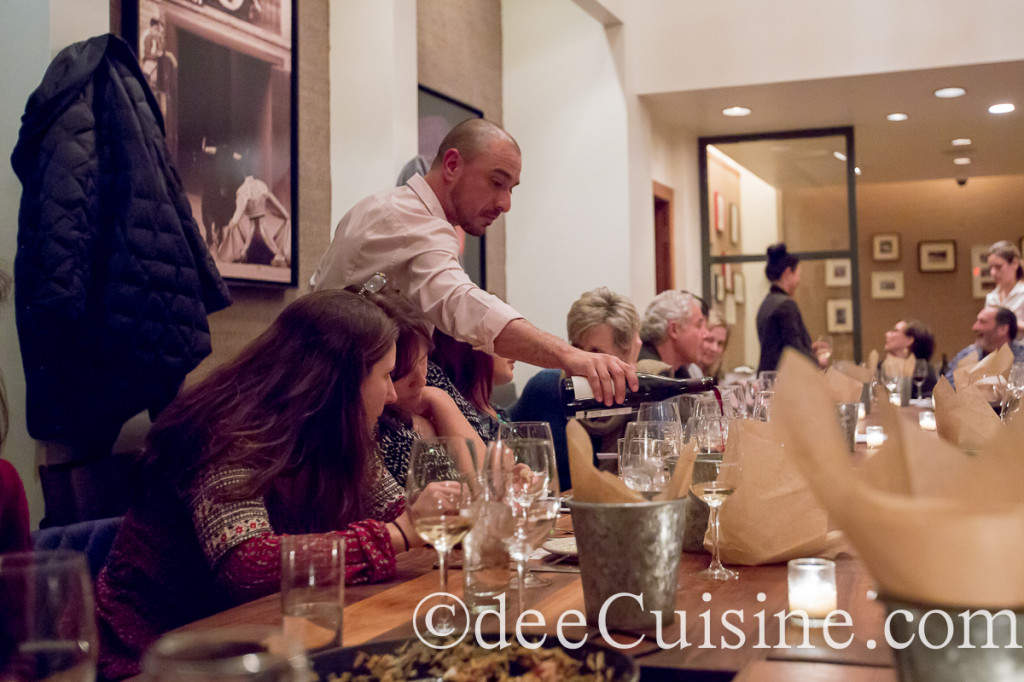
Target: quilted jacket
113 283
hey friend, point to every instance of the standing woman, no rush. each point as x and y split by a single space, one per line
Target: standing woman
779 323
1005 267
277 441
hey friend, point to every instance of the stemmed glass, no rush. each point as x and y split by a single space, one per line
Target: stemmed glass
1014 391
664 411
650 451
714 494
47 621
920 375
441 510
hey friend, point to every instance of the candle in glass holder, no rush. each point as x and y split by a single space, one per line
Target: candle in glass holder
927 420
895 398
874 436
861 411
812 590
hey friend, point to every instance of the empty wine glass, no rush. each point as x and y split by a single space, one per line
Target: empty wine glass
650 451
441 510
714 493
531 445
763 406
766 378
1014 391
47 621
920 375
664 411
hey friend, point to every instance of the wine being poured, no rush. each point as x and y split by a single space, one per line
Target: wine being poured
579 401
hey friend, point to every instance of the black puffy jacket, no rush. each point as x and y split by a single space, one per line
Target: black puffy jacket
113 282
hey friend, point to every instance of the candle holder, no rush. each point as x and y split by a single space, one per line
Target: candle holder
874 436
927 420
812 591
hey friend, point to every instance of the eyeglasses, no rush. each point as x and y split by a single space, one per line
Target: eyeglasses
371 286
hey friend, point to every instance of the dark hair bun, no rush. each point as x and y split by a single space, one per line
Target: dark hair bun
776 252
779 259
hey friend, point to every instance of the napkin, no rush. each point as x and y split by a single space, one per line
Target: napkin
873 360
772 516
590 484
893 366
844 387
964 418
861 374
961 373
931 524
993 364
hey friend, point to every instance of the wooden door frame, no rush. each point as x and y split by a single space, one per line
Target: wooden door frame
665 194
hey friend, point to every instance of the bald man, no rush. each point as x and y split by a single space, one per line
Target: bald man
408 234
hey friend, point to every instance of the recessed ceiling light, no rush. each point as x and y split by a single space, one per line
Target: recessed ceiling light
1003 108
961 141
736 111
897 117
947 93
962 160
839 155
856 170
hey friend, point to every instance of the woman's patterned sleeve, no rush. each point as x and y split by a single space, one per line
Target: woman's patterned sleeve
253 568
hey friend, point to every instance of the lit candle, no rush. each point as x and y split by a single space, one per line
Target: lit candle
874 436
861 412
812 589
894 399
927 420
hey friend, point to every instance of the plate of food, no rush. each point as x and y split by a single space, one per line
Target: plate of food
408 660
566 546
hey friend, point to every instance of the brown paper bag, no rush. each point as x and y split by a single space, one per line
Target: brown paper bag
772 516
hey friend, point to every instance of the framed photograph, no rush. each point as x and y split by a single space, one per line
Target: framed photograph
719 286
223 75
837 272
981 280
936 256
739 288
734 224
839 315
885 247
438 114
887 284
719 212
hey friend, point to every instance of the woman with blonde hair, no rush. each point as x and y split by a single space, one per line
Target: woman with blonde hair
1005 268
713 347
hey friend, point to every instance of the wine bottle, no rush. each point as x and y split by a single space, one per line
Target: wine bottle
579 398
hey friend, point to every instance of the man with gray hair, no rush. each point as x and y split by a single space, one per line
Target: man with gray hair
673 331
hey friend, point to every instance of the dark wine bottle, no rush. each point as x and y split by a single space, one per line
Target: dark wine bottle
579 399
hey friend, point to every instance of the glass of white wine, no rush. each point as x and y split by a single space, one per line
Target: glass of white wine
47 621
714 493
441 510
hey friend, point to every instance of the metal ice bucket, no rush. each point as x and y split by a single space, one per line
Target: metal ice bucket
629 549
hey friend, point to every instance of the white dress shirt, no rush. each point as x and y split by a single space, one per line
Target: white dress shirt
403 233
1013 300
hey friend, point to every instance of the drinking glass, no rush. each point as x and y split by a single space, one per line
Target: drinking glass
650 451
313 588
921 372
531 442
714 493
241 653
1014 391
767 379
712 437
47 621
441 510
763 406
485 556
664 411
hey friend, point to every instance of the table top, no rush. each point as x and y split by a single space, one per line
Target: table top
728 626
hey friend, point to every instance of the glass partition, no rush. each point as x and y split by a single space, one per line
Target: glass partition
795 187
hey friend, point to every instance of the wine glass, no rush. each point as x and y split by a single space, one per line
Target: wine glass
714 493
441 510
920 375
763 406
531 445
47 621
650 451
1014 391
766 378
664 411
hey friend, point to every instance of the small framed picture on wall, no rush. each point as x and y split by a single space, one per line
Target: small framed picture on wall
837 272
937 256
885 247
839 315
887 284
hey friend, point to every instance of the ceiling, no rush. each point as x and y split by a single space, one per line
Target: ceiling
916 149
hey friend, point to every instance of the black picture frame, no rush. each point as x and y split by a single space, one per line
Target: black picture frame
437 114
225 75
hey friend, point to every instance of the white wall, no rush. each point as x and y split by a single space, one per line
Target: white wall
569 227
759 206
29 39
373 97
693 45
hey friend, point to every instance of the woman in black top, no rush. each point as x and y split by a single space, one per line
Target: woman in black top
779 323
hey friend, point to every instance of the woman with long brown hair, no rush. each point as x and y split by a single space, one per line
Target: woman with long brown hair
277 441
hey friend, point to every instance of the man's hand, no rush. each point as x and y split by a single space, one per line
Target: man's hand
608 375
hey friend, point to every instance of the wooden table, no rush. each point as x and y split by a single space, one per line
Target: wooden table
384 611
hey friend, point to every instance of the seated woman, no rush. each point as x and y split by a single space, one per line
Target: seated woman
600 321
913 337
277 441
422 408
713 348
474 374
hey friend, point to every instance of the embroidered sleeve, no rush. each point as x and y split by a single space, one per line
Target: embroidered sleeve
222 525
